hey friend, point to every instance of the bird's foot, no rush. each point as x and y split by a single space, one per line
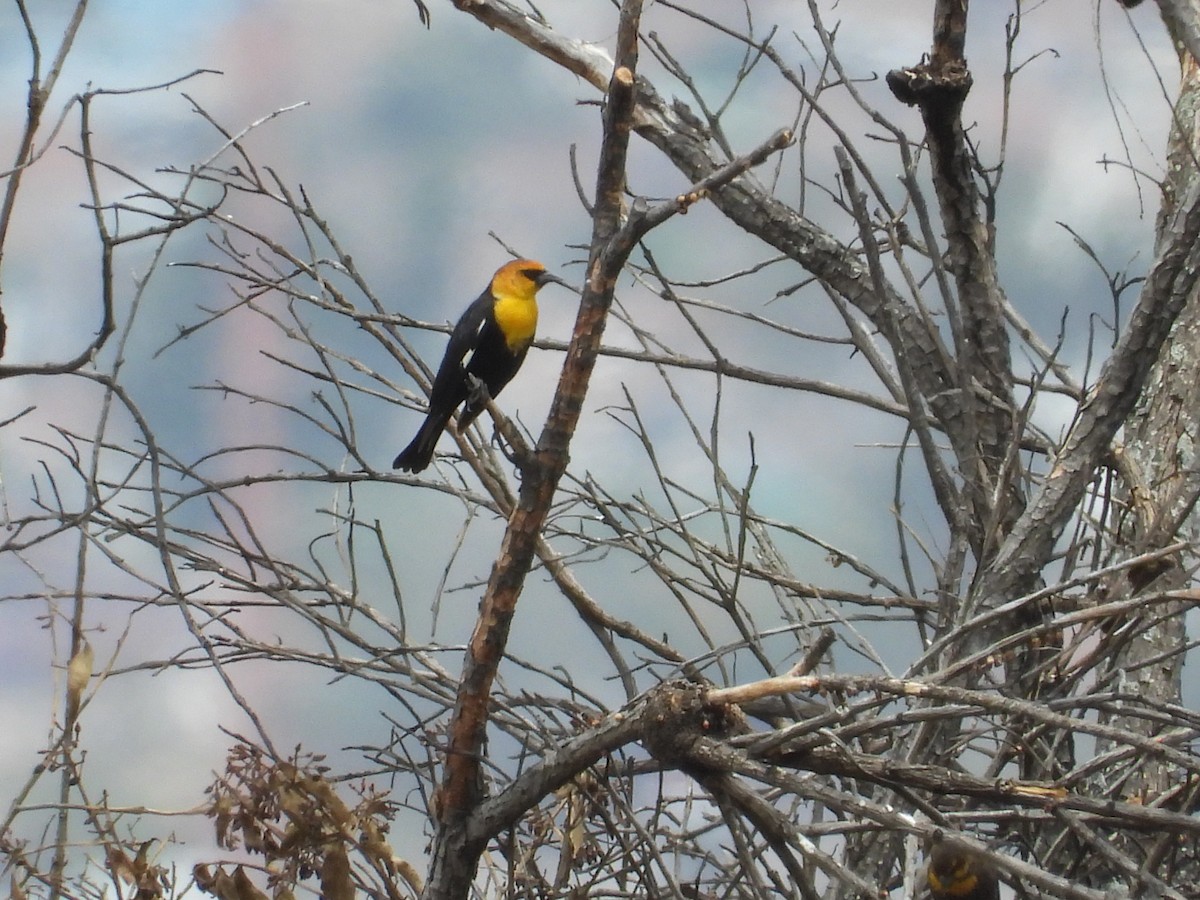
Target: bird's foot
477 392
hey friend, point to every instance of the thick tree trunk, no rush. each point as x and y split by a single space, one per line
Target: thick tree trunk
1161 467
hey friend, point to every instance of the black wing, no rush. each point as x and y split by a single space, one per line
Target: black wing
465 336
463 339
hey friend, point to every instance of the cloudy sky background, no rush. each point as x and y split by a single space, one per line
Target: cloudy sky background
415 145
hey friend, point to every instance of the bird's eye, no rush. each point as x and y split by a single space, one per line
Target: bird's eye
532 274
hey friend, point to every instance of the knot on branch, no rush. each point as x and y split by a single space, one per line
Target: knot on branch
935 89
678 721
690 199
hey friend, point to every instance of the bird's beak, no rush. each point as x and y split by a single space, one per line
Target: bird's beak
547 277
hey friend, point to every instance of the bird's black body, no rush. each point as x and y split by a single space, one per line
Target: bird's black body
486 349
476 348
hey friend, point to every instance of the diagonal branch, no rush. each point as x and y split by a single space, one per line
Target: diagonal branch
461 788
614 236
1168 285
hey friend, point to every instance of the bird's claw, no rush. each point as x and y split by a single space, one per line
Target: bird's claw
477 391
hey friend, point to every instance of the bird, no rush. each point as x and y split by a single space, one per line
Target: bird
486 349
958 873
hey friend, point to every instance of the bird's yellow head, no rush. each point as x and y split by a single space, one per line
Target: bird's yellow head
520 279
514 290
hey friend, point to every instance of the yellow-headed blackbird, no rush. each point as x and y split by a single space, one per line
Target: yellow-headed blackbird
486 348
957 873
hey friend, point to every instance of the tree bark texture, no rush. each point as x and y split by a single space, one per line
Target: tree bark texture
1160 464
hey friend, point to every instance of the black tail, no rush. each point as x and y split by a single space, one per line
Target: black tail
418 454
